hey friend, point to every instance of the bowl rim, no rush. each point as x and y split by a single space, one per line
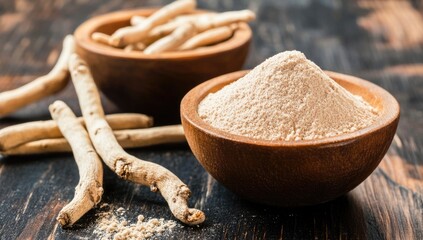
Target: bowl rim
389 114
83 38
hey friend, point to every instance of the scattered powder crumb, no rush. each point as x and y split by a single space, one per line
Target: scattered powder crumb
112 223
287 97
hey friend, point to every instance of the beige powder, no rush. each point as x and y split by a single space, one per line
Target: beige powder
112 224
287 97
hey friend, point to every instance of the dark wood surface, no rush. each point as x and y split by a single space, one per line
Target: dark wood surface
377 40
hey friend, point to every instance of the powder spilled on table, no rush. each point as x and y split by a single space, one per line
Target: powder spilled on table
112 223
289 98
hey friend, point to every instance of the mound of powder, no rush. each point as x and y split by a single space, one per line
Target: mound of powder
287 97
113 224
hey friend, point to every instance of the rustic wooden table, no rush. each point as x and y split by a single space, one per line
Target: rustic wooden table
381 41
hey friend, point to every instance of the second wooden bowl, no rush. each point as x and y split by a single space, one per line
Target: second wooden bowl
293 173
154 84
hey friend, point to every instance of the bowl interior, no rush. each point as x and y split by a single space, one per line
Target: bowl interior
384 102
109 23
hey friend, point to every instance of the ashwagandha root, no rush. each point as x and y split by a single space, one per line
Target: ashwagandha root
89 190
161 31
157 33
167 28
193 17
54 81
126 166
135 20
15 135
135 47
132 138
208 37
172 41
101 38
224 19
137 33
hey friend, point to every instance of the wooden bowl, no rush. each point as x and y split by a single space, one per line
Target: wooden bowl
154 84
286 173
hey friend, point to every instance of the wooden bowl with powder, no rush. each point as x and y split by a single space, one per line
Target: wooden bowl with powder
291 173
154 84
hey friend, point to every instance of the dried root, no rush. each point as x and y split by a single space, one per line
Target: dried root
208 37
15 135
162 31
137 33
167 28
128 167
101 38
41 87
212 28
135 47
89 189
224 19
194 17
132 138
136 20
172 41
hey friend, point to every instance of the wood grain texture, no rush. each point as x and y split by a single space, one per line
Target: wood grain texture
388 205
